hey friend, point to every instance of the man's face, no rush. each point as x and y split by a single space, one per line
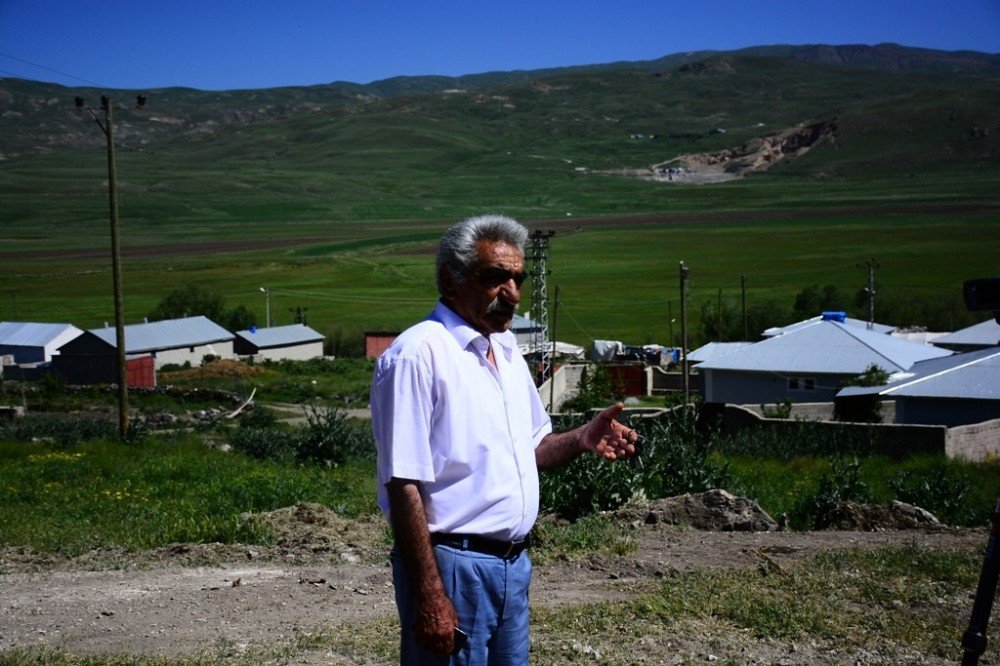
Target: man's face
488 299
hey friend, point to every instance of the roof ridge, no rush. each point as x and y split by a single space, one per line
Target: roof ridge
850 330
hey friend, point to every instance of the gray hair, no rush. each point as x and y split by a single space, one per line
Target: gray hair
457 249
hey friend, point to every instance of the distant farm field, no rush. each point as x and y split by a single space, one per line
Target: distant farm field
617 275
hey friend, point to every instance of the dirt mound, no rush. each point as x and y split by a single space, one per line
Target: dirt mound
317 529
713 510
874 517
219 369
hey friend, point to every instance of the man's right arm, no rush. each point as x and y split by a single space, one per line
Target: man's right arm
436 617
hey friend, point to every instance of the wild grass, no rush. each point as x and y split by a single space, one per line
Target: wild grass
103 494
900 601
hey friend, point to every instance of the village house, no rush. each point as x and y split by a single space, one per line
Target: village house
808 363
171 341
31 342
295 342
954 390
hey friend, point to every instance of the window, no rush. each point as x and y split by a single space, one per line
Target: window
801 383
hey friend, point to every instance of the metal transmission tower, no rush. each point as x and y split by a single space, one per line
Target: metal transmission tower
538 254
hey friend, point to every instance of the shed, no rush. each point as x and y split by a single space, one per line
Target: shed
377 342
808 364
296 342
955 390
179 341
31 342
89 359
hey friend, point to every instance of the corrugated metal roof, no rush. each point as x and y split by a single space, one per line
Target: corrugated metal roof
849 321
972 375
985 333
32 334
167 334
714 350
826 347
280 336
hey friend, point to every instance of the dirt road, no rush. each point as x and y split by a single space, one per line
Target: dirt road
189 600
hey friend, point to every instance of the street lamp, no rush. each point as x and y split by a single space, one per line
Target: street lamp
267 304
108 127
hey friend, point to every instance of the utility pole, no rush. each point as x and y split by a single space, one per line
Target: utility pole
670 321
538 254
871 265
267 305
109 132
684 274
552 379
743 296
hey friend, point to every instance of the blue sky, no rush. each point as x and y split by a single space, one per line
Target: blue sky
227 44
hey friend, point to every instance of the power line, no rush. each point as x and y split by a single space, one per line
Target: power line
53 70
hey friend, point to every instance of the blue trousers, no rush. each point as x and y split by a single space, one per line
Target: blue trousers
490 595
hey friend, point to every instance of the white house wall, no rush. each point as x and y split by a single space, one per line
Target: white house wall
193 355
296 353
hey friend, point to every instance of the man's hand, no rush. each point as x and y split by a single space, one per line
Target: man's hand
603 436
608 438
435 625
436 619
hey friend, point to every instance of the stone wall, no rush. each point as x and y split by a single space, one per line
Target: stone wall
976 442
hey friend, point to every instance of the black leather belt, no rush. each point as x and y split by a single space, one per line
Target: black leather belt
506 549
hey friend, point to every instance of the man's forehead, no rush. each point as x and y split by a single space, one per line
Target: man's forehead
498 253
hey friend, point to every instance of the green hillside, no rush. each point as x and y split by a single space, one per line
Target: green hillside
344 187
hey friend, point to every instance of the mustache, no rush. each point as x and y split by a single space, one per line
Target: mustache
498 306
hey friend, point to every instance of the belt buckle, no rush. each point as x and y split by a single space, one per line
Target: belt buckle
512 548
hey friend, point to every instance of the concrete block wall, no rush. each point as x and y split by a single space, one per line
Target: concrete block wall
976 442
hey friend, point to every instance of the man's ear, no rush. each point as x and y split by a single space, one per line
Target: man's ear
447 282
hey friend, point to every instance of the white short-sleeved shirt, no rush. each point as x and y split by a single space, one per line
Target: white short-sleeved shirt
444 416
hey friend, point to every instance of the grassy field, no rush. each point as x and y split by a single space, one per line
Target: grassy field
617 278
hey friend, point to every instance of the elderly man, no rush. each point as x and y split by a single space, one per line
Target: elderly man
461 435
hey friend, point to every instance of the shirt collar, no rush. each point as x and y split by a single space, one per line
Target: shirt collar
465 334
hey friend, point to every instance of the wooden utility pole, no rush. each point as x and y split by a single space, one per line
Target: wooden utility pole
871 265
684 273
552 373
108 127
116 268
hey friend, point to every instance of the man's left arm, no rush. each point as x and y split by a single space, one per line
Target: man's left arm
603 435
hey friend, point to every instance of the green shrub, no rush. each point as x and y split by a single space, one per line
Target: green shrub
329 437
63 430
940 490
674 458
843 483
264 443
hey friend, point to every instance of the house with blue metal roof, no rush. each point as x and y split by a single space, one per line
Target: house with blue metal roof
32 342
809 363
978 336
847 321
295 342
954 390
